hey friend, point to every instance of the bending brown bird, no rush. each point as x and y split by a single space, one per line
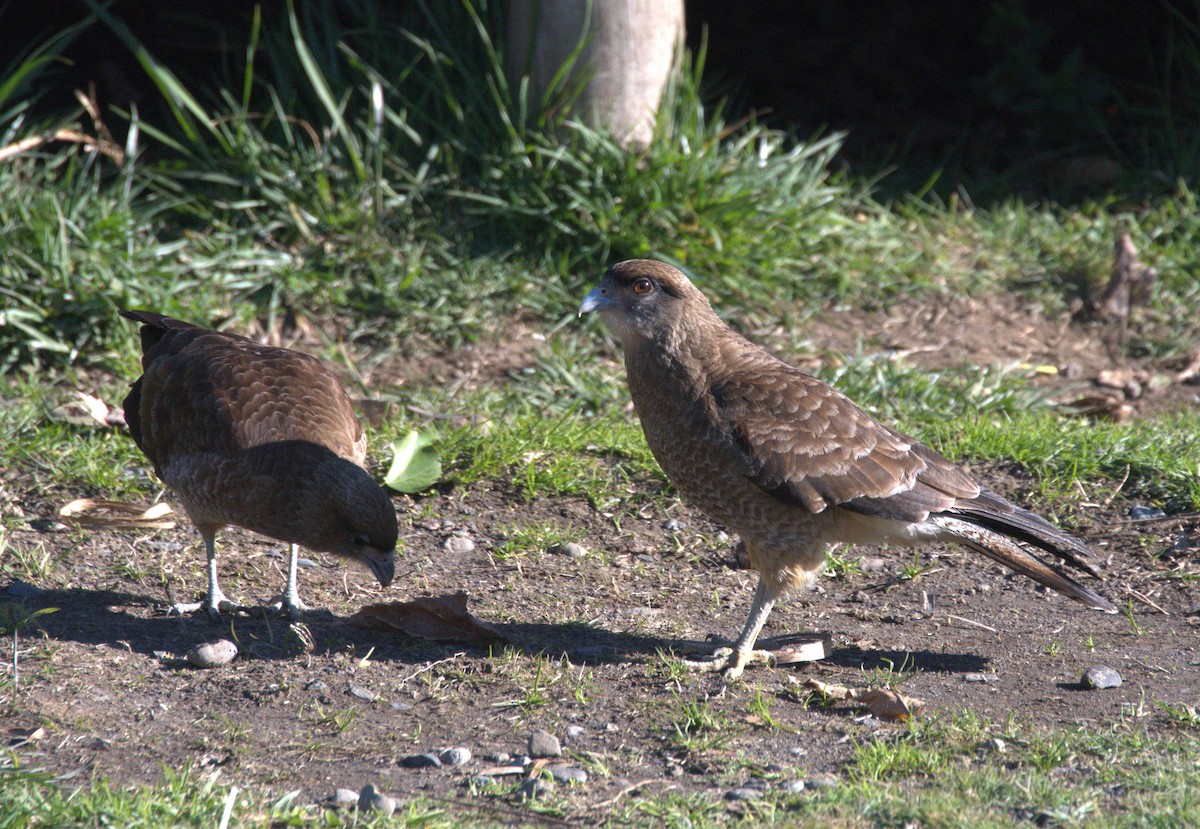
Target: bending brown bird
261 438
791 463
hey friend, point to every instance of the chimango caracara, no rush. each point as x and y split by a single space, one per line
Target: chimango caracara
791 464
261 438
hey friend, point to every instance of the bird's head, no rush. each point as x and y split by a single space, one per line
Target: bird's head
361 520
640 299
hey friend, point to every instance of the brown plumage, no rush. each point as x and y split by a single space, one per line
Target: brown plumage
791 463
261 438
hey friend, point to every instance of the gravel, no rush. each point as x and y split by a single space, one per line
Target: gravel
371 799
421 761
342 799
459 544
1098 677
455 756
568 774
212 654
544 744
536 787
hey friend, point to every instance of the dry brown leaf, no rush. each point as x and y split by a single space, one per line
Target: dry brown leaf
93 513
87 410
1114 378
19 736
438 618
881 702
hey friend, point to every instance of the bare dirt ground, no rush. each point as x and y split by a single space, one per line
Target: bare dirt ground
324 704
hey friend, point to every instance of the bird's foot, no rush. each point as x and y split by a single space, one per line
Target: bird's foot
286 605
731 661
212 606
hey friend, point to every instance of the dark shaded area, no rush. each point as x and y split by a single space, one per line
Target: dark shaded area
1050 98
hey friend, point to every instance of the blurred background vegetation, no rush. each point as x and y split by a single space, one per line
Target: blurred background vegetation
371 162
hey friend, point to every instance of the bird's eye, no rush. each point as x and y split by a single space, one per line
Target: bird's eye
642 287
361 540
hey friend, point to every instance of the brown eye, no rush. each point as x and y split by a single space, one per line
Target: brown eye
642 287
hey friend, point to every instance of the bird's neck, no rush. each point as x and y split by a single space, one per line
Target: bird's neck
677 361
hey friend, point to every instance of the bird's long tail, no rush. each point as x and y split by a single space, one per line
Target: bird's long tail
992 526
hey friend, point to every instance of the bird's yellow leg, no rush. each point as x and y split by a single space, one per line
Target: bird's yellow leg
734 660
214 601
289 601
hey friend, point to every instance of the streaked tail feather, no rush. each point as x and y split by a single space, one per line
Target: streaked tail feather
1011 554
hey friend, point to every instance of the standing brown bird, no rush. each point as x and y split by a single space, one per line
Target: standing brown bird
789 462
258 437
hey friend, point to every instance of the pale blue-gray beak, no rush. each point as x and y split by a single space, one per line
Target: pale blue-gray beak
595 300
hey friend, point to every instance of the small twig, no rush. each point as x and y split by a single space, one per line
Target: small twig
1145 600
1149 667
971 622
1117 491
627 790
432 665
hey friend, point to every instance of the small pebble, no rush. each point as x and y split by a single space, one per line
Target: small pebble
459 544
498 757
400 706
536 787
568 774
974 677
316 685
48 525
1101 676
421 761
995 745
371 799
798 751
212 654
570 550
544 744
822 781
793 786
722 537
1141 513
675 525
362 693
574 731
860 597
455 756
343 799
872 564
276 554
479 781
305 562
743 793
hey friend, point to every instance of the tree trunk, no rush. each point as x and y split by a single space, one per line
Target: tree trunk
626 62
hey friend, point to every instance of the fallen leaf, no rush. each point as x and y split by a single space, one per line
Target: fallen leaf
1114 378
87 410
438 618
21 736
93 513
415 463
881 702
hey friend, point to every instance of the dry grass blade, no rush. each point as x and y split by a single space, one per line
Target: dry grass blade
98 514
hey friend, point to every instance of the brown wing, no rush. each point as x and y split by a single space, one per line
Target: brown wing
806 442
206 391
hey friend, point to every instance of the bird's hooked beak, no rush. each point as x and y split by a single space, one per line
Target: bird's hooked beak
596 300
383 565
